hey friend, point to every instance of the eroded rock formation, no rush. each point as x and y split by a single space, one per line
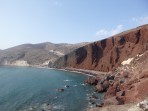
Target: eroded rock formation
107 54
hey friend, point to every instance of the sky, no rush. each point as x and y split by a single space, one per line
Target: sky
67 21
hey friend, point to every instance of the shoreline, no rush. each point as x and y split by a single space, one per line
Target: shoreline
87 73
80 71
76 84
67 69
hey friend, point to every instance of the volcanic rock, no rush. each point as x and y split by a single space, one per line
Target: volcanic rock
111 92
91 81
106 85
99 88
111 101
107 54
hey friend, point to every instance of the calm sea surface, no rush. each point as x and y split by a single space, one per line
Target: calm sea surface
33 89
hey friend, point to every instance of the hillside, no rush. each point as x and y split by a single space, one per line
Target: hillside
107 54
125 87
35 54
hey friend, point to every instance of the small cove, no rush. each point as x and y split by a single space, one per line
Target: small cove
30 89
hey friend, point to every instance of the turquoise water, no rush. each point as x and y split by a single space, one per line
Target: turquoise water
30 89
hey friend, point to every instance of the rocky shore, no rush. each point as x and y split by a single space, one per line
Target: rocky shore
125 85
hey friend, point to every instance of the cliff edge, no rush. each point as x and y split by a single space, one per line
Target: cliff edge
107 54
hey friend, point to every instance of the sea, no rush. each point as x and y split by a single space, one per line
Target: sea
36 89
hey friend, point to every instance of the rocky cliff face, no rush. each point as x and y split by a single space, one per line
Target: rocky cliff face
107 54
125 84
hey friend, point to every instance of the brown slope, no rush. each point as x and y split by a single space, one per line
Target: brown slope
106 54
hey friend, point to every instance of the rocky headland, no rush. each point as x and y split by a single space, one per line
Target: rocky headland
119 66
107 54
125 84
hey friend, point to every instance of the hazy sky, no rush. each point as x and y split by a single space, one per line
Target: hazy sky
67 21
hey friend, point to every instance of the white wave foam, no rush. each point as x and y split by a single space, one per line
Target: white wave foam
67 80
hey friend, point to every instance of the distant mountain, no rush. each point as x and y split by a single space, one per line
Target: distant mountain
36 54
107 54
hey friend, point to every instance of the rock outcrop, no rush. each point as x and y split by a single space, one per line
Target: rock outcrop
107 54
127 83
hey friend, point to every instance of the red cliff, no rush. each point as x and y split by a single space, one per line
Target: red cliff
107 54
